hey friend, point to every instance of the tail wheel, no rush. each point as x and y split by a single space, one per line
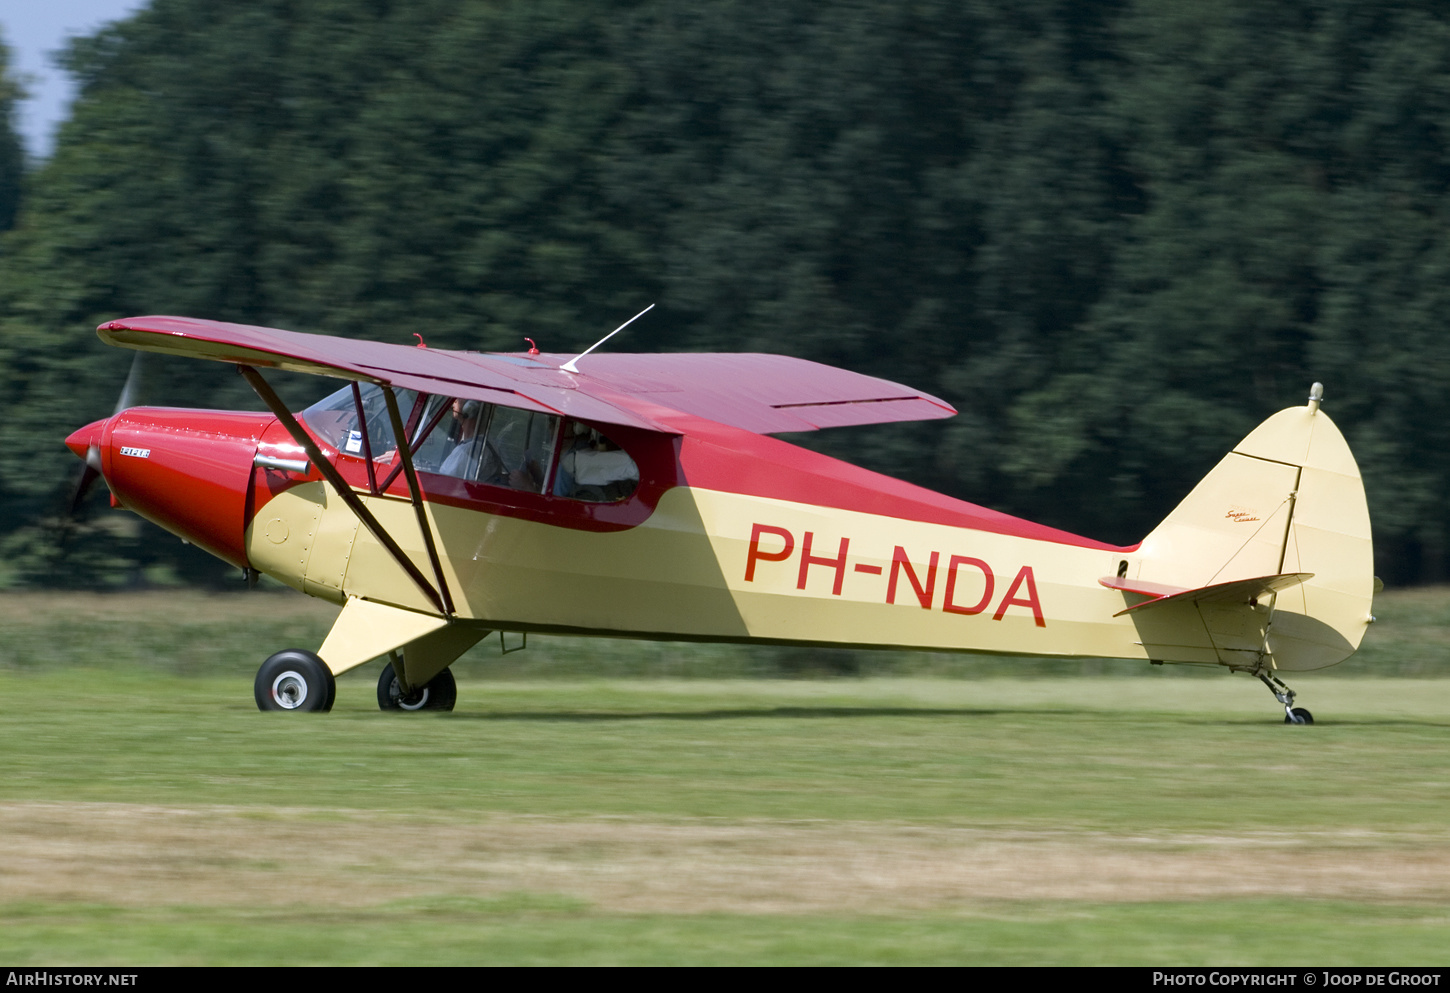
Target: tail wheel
294 680
439 693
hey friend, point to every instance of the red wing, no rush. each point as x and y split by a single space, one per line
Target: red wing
424 369
766 394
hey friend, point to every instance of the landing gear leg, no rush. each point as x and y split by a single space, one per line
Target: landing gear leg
1282 693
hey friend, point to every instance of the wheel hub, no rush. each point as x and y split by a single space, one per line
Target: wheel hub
289 689
416 701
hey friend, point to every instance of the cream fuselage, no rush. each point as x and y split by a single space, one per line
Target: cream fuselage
688 572
734 536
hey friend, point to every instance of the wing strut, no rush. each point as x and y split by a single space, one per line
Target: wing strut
418 436
344 491
367 447
405 453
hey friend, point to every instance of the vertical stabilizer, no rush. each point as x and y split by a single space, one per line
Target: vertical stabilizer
1287 499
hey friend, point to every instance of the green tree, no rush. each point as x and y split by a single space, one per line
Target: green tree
1291 166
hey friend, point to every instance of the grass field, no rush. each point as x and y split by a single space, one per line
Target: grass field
149 814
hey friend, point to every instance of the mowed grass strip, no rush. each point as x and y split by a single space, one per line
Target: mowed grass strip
148 813
542 929
161 819
1114 755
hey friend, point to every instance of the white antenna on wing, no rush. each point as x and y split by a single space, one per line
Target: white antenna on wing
573 364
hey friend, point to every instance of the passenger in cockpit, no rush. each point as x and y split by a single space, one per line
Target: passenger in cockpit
594 468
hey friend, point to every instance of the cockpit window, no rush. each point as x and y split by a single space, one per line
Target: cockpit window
482 443
436 436
334 419
519 448
592 467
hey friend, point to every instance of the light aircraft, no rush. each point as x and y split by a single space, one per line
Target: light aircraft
442 495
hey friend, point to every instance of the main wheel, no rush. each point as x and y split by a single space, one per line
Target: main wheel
439 693
294 680
1298 716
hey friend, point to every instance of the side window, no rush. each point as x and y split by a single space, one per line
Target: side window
518 448
453 442
593 468
485 443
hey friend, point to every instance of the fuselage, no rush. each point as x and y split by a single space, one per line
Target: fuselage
729 535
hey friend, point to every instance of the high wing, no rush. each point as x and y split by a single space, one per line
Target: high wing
766 394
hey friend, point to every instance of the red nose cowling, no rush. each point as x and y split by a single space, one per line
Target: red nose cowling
186 470
82 439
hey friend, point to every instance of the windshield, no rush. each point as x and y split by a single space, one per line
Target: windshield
334 419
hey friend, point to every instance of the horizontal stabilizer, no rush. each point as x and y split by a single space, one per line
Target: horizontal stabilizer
1239 591
1141 586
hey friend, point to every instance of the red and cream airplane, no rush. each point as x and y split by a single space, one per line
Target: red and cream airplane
443 495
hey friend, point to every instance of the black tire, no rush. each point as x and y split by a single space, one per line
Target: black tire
439 693
1298 716
295 680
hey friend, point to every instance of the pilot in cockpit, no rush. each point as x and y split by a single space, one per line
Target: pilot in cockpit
466 439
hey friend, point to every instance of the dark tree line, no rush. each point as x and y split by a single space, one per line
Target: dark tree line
12 154
1114 234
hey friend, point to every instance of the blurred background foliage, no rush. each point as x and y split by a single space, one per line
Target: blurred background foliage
1115 234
